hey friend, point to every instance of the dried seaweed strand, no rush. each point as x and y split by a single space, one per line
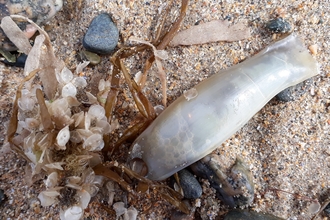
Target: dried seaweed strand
161 46
166 192
13 122
142 103
45 116
106 172
161 25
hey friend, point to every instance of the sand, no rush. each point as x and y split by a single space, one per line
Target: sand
285 144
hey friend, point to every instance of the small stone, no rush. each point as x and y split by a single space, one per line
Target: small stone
189 184
294 92
313 49
238 214
102 35
2 195
19 61
278 25
327 210
93 58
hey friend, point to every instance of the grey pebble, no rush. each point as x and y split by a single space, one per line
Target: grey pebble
102 35
294 92
278 25
189 184
238 214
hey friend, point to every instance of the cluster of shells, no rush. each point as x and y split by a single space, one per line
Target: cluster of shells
67 153
60 133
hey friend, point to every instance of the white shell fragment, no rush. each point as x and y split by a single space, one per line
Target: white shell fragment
84 198
131 214
81 66
190 94
69 90
56 165
119 208
63 137
48 197
313 207
79 82
96 111
51 180
65 76
72 213
94 142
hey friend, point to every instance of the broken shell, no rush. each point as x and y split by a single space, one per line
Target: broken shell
48 197
72 213
190 94
63 137
51 180
94 143
69 90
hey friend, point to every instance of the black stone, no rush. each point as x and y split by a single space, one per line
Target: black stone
2 196
20 61
294 92
237 214
278 25
204 171
327 210
102 35
189 184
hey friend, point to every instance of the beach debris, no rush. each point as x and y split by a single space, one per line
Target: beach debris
278 25
313 49
212 31
234 189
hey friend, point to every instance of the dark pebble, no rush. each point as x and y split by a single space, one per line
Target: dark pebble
2 196
238 214
20 61
278 25
102 35
327 210
189 184
177 215
204 171
234 190
294 92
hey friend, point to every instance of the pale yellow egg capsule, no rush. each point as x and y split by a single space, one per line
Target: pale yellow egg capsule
189 129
